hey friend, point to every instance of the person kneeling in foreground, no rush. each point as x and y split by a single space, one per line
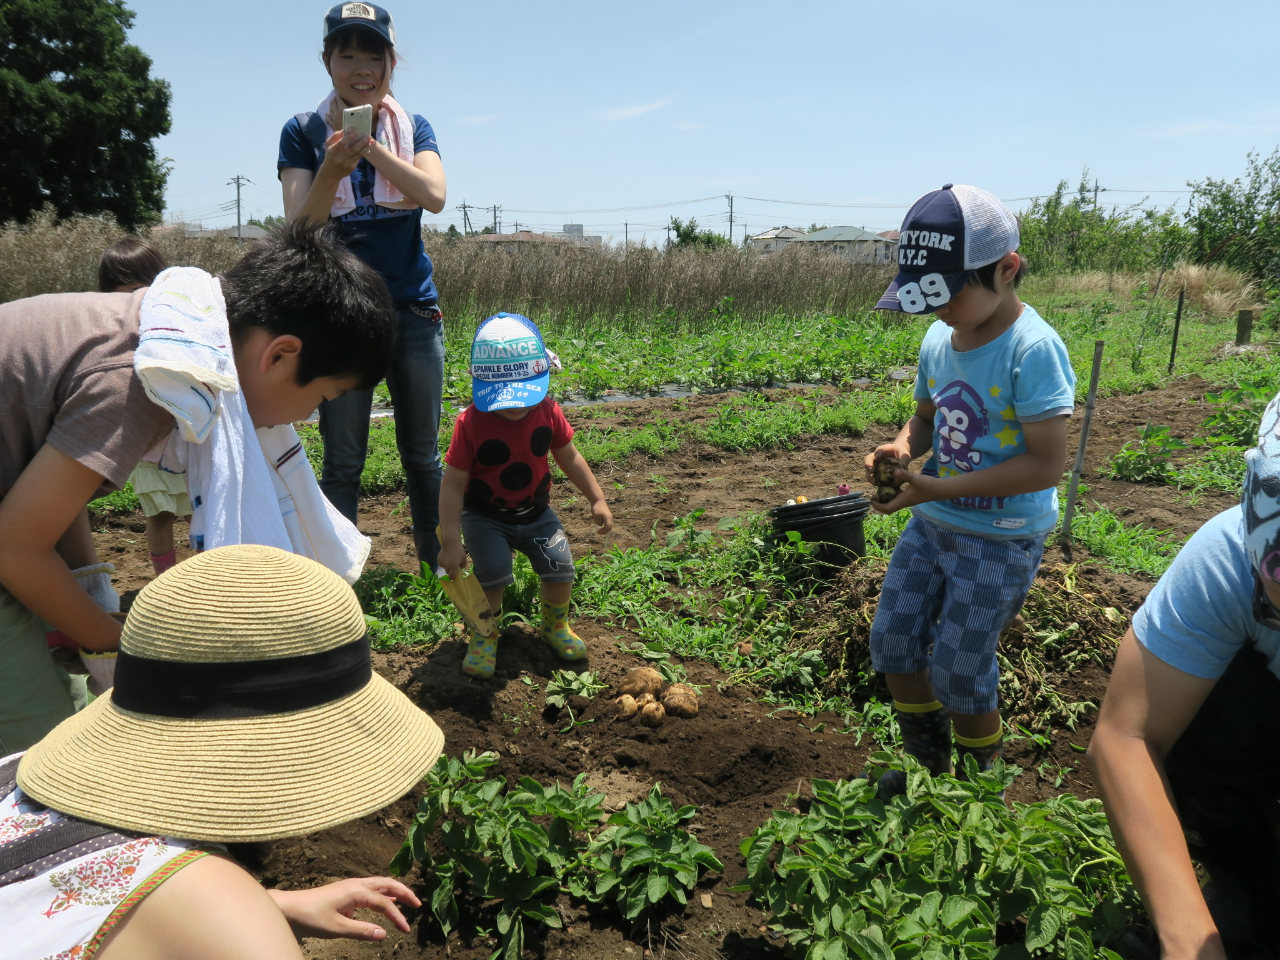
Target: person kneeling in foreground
993 392
1186 751
245 709
497 485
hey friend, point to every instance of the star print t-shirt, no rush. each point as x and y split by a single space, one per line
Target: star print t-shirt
507 460
983 397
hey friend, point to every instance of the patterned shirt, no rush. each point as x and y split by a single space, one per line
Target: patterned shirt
65 913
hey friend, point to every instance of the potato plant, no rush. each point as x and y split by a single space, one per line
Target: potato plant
945 871
523 845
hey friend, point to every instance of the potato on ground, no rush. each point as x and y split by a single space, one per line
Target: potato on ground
641 680
626 706
653 715
645 699
681 700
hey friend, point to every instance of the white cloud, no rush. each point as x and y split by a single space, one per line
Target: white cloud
627 113
478 121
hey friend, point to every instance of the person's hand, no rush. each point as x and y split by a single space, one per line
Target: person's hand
326 911
342 154
602 515
884 450
917 488
452 558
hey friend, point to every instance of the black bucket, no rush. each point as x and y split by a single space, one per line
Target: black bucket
835 523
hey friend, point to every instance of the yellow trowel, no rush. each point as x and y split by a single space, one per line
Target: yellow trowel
468 596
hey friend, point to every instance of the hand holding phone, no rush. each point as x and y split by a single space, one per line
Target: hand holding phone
357 122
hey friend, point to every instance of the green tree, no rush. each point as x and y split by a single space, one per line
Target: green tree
689 236
1237 222
79 110
269 222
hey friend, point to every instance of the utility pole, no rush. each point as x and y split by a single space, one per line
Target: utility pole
668 233
466 218
239 181
496 210
516 226
626 236
729 197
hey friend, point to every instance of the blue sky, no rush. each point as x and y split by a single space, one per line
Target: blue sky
566 111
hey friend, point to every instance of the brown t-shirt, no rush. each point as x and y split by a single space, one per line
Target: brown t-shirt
66 379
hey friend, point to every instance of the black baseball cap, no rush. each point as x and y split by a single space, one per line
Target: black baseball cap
370 16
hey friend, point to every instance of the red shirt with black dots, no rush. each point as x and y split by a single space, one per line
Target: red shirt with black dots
510 478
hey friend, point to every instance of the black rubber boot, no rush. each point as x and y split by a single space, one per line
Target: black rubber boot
926 735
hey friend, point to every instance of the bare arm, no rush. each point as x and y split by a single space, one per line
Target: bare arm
209 910
452 487
1147 707
310 195
1039 468
579 473
421 181
42 511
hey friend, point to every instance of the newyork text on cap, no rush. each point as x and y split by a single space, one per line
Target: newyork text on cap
947 234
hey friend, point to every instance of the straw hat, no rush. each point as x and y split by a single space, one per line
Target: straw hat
245 708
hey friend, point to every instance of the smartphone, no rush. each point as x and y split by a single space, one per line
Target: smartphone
357 121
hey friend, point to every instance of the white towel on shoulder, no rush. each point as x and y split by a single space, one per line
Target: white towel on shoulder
246 485
394 130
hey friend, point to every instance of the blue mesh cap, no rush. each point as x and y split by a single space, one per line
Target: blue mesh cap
946 235
510 365
367 15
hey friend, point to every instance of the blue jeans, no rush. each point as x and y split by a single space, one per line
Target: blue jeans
416 379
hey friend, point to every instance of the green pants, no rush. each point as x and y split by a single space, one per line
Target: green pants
35 693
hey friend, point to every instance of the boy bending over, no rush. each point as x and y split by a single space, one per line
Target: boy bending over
308 321
497 483
994 388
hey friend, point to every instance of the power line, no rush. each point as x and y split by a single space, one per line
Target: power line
647 206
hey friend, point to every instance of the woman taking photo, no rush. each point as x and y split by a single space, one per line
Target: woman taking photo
374 189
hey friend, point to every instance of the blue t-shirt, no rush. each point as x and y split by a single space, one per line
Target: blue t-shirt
983 397
1200 614
390 241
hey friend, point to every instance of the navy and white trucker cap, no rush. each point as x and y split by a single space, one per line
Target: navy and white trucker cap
367 15
947 234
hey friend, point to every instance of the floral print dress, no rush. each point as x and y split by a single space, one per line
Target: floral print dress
65 912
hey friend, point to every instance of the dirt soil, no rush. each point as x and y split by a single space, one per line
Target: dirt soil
738 760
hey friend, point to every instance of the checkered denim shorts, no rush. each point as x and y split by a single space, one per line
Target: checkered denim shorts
946 598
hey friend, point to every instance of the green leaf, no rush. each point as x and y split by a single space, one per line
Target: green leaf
657 886
956 909
1042 926
543 913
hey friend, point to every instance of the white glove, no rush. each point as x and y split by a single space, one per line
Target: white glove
102 670
96 582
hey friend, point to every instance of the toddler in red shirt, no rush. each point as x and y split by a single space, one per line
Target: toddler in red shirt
496 491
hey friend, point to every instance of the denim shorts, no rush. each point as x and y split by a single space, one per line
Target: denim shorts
946 598
543 541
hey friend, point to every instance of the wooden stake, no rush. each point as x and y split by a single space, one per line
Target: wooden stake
1177 325
1065 537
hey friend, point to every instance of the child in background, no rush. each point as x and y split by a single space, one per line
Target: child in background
497 485
994 389
128 265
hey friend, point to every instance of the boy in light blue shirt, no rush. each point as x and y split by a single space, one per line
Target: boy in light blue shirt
994 389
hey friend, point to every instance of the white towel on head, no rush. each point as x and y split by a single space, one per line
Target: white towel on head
246 485
394 130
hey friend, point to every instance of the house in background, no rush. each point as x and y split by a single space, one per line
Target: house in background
774 239
574 232
854 243
517 240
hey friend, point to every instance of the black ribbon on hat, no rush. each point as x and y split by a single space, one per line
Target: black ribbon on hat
240 689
